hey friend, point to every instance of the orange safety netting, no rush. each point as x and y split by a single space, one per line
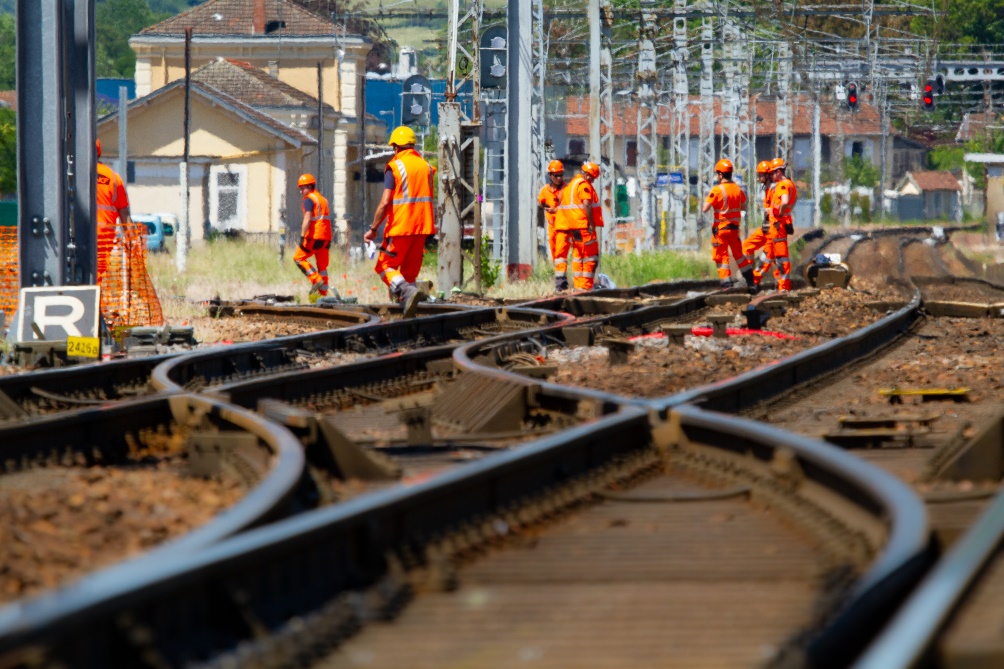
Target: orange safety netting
9 279
128 297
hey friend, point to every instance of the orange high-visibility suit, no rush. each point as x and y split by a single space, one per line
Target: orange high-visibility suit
776 249
579 214
111 197
727 201
410 219
758 237
316 243
549 198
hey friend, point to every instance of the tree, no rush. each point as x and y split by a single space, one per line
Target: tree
8 152
116 21
861 172
6 52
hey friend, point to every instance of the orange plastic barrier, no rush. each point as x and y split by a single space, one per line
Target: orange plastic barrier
127 294
9 278
128 297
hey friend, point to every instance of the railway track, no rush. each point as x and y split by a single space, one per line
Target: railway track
534 542
206 368
81 491
309 584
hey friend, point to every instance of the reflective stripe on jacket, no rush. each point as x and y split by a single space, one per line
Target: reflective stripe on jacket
320 221
110 195
411 211
727 201
578 206
782 212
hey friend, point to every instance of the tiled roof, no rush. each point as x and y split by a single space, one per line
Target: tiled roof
262 120
253 87
8 99
834 118
236 17
930 180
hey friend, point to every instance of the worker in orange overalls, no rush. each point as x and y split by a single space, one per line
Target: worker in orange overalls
112 209
578 216
783 198
315 236
758 237
728 201
407 206
548 201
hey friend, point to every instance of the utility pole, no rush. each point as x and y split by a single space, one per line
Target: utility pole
601 135
647 135
680 144
783 138
706 143
459 152
519 155
123 161
184 228
817 160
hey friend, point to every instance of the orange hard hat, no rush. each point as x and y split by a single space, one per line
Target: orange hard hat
306 180
555 167
724 165
97 143
592 169
778 164
763 167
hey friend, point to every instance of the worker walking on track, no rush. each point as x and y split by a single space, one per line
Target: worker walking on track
112 209
548 200
758 238
407 205
579 214
315 236
783 198
728 201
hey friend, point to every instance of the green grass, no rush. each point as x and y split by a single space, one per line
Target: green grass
635 270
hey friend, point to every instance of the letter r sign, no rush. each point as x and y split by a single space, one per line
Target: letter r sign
58 313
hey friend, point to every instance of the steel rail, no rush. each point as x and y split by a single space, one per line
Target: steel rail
100 436
104 378
907 553
279 590
744 390
223 364
908 640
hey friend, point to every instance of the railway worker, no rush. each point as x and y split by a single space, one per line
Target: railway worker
579 214
758 238
112 209
783 198
547 200
727 200
406 204
315 236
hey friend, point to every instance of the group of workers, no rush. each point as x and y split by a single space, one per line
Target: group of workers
573 213
406 205
727 200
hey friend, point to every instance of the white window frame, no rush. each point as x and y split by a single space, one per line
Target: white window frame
242 199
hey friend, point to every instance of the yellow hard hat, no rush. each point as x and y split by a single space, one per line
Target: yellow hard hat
402 135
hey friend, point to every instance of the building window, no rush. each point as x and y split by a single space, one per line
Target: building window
631 153
130 172
857 149
228 197
576 147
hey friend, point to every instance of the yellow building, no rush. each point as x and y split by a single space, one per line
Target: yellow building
301 50
251 137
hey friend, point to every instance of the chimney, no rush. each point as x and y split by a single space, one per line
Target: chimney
258 26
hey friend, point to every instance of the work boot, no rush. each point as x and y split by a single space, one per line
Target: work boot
726 284
410 297
748 277
560 282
